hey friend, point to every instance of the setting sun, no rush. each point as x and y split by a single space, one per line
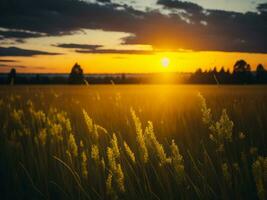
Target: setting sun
165 62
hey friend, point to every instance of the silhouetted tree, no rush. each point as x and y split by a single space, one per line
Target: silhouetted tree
261 74
240 66
222 71
76 75
242 72
12 76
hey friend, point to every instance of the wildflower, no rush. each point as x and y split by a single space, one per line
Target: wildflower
140 137
110 190
120 178
16 116
68 126
95 153
88 121
40 117
84 165
56 131
111 159
129 152
116 170
177 161
100 128
72 145
257 170
115 146
158 148
206 112
223 129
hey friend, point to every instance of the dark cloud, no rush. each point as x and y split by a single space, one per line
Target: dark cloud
105 1
4 60
9 66
96 49
19 34
21 67
14 51
262 7
57 17
79 46
115 51
176 4
196 28
223 31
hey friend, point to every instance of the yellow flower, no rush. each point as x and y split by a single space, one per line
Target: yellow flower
140 137
155 145
258 173
73 146
84 165
177 161
129 152
95 153
115 146
206 112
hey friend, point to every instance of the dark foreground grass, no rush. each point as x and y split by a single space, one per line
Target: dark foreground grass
133 142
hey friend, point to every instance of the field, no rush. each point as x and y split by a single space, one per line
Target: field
133 142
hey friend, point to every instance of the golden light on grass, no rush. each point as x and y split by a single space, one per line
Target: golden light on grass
165 62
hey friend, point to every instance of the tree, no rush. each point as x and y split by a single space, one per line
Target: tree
76 75
242 72
12 76
261 74
241 66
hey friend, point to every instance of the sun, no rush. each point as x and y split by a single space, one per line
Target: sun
165 62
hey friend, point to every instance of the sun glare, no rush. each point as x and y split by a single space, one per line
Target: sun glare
165 62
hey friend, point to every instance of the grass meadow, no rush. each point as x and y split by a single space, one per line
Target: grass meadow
133 142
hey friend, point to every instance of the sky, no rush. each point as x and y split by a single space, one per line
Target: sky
135 36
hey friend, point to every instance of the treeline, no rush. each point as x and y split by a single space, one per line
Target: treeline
241 74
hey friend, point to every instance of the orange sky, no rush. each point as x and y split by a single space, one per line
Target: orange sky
180 61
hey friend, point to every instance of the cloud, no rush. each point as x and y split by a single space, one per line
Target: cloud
4 60
222 30
97 49
262 7
57 17
176 4
9 66
115 51
19 34
79 46
14 51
